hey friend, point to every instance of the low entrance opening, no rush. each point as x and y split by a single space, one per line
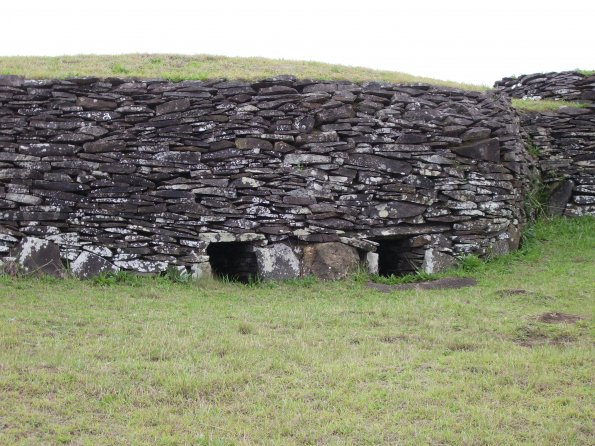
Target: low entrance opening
233 260
396 257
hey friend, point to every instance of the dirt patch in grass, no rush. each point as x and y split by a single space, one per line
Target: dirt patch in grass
538 339
448 283
393 339
559 318
533 335
520 292
512 292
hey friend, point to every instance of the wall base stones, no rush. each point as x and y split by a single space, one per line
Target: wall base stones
39 257
330 261
88 265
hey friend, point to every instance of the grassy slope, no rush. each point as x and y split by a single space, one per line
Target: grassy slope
202 67
322 363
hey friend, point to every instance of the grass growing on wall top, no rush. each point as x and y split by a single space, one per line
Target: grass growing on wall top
201 67
544 105
308 362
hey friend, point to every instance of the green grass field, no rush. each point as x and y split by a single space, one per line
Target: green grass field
308 363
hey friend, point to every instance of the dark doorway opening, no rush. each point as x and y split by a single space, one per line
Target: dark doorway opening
233 260
396 257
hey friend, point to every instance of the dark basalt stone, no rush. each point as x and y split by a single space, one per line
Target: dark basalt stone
95 104
104 145
333 114
559 197
329 261
173 106
317 137
379 163
38 256
412 138
179 157
88 265
10 80
396 210
485 150
253 143
48 149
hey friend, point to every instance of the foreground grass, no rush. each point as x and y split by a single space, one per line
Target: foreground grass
202 67
544 105
307 362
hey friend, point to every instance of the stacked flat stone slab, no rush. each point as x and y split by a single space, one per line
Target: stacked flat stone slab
146 174
564 85
565 142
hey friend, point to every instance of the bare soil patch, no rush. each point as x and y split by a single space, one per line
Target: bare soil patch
511 292
559 318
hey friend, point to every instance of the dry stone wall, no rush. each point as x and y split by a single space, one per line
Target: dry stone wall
280 177
564 143
564 85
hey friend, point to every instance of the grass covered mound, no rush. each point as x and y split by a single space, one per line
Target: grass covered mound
151 361
201 67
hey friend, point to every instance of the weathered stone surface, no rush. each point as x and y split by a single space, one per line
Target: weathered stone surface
253 143
329 261
317 137
88 265
95 104
380 163
173 106
396 209
39 256
436 261
306 158
372 262
486 150
277 262
476 133
104 145
47 149
201 271
333 114
10 80
559 197
179 157
142 266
